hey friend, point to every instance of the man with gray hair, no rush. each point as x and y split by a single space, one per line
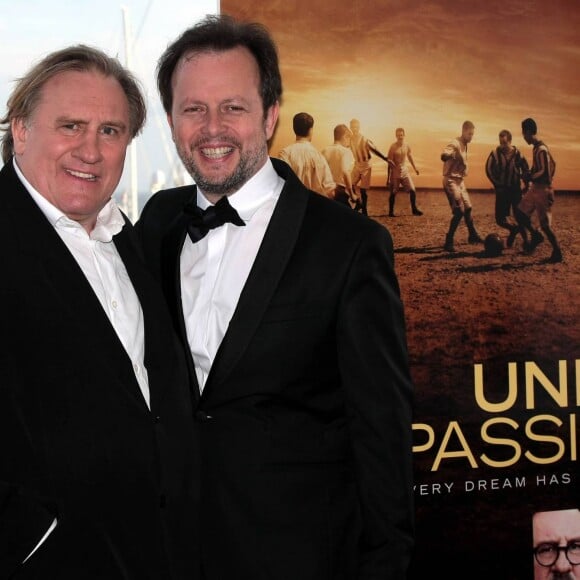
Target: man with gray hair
96 435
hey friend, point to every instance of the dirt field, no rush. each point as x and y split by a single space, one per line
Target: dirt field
465 306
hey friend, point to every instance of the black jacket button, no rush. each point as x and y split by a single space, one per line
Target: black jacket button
202 416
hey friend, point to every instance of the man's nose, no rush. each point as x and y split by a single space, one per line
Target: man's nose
562 564
214 122
89 148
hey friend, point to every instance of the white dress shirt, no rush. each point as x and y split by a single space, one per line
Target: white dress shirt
215 269
100 262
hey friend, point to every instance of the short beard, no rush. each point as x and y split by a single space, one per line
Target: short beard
247 167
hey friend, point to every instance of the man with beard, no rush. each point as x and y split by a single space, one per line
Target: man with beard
288 306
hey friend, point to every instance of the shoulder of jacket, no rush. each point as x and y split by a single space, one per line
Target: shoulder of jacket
176 196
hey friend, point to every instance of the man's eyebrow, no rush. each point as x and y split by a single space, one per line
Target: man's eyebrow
71 120
65 119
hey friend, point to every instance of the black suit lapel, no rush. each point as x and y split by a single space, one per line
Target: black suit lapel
79 304
269 265
150 298
171 247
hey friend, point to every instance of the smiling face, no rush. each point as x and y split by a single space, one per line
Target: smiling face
217 119
72 148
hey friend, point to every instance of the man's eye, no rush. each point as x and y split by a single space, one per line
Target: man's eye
545 548
110 131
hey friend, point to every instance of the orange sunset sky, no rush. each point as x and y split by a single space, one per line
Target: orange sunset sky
427 66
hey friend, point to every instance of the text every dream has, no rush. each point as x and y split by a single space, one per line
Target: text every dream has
534 424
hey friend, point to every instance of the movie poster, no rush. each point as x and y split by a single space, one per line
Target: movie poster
494 340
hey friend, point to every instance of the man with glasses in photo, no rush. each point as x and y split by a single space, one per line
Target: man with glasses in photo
557 544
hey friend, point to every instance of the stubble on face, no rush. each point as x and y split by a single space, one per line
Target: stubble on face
250 162
218 121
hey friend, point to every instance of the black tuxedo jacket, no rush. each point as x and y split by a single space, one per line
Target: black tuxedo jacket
77 440
305 419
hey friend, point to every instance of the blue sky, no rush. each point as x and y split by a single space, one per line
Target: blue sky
31 28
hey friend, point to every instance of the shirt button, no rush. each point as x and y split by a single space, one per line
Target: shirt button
114 303
137 368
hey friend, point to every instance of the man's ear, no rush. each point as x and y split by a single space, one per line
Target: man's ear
271 119
19 130
170 123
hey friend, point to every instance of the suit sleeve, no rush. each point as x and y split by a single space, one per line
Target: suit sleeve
379 393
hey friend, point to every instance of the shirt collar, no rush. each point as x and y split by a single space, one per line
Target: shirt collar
264 186
109 220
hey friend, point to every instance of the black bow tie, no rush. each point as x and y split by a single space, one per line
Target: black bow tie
203 220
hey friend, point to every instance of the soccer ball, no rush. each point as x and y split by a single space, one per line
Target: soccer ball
493 245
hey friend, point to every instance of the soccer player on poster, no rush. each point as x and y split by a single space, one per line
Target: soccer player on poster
540 196
398 155
454 158
362 148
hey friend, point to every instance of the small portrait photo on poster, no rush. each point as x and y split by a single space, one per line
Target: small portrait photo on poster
556 537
